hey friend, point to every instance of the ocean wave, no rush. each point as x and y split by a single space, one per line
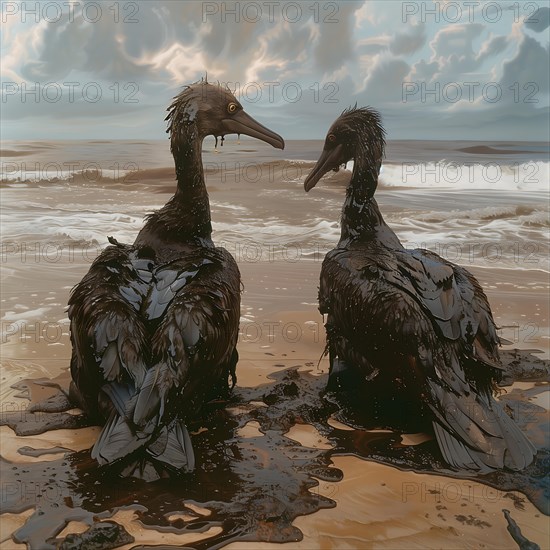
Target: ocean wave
523 215
71 213
489 150
276 231
532 176
73 229
34 177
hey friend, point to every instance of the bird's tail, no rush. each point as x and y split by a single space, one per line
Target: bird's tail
138 421
474 432
170 445
173 447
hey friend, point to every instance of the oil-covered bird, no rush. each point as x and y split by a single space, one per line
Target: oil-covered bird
414 330
154 325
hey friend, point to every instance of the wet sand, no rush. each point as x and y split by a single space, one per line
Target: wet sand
377 506
381 507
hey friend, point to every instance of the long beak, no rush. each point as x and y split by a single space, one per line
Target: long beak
329 160
241 123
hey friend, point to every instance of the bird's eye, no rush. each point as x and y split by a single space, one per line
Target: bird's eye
232 108
331 138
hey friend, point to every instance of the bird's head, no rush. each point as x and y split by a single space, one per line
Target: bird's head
203 109
357 134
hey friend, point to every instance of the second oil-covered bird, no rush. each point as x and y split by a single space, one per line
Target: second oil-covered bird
412 329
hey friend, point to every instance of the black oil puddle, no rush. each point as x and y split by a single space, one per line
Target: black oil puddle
255 486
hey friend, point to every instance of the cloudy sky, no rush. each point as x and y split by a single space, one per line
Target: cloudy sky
436 70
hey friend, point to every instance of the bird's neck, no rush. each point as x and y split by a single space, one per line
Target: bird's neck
361 218
190 204
185 218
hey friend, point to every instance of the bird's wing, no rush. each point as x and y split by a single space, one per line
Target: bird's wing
193 347
454 300
198 330
168 280
450 296
432 283
381 325
369 311
478 325
110 343
194 301
477 334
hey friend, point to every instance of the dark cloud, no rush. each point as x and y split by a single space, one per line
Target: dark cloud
423 71
154 33
530 65
456 40
94 48
335 44
408 41
453 53
496 45
539 21
385 82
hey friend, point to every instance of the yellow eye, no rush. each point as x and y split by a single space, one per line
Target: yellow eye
232 108
331 137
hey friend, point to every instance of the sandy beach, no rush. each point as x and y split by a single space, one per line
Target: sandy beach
53 230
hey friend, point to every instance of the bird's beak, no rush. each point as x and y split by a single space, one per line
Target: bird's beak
241 123
330 159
